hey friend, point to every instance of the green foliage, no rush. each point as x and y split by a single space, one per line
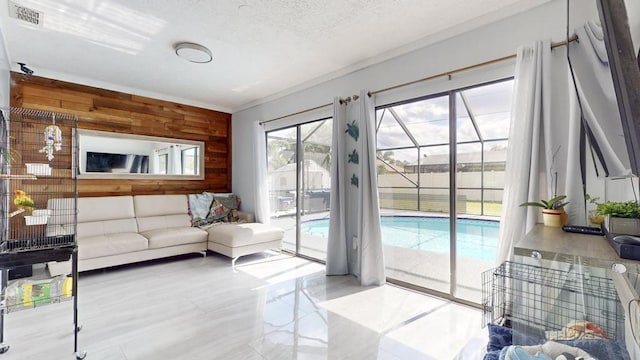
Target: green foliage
8 156
280 152
591 200
554 203
629 209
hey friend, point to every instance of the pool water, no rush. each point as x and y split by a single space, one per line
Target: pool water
476 239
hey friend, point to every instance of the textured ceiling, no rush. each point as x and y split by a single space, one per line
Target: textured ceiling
261 48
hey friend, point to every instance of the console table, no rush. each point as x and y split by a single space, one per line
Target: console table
553 244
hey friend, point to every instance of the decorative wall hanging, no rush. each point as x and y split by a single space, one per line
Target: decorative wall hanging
52 140
354 180
354 157
353 130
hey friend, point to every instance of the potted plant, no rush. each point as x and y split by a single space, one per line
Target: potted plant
553 213
621 217
595 218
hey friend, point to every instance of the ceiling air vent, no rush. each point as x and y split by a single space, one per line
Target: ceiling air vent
23 13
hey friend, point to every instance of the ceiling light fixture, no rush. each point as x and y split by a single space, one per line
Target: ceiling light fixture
193 52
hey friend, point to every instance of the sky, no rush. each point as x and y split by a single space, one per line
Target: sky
428 122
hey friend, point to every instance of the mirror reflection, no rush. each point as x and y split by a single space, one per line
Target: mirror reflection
114 155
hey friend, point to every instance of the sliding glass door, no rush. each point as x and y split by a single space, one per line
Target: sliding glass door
299 180
282 181
414 203
482 128
441 166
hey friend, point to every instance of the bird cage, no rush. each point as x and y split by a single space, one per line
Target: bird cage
38 168
37 163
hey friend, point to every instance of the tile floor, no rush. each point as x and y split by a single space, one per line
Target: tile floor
273 307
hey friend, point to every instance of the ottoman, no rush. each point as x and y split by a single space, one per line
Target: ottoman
235 240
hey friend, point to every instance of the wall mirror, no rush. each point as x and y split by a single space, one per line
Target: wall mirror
108 155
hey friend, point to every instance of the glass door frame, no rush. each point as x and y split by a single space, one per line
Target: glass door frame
453 214
300 181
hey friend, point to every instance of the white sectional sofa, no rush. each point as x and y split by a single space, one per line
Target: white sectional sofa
116 230
235 240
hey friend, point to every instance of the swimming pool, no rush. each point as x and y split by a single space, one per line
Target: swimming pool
476 239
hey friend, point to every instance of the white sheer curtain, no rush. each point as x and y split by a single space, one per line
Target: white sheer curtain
261 194
369 232
524 161
175 156
534 159
597 96
338 245
355 210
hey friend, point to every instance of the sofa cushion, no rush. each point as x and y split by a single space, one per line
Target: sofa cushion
159 238
163 222
95 215
110 244
161 211
105 208
160 205
234 235
95 228
59 229
63 211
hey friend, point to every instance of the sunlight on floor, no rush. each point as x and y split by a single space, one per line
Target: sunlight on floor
287 268
382 308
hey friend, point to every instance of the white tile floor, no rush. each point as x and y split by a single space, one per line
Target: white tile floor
273 307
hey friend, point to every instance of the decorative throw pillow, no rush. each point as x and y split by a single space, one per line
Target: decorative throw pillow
230 202
220 208
199 205
499 337
218 211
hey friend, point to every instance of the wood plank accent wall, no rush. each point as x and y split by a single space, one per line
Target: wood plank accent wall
106 110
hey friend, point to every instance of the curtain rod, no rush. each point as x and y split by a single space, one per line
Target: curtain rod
448 73
296 113
554 45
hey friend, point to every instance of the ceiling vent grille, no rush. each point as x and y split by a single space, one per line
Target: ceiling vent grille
23 13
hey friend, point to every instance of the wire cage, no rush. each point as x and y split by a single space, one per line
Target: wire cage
38 153
38 192
535 299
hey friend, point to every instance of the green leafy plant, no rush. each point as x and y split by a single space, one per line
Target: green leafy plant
8 156
629 209
552 204
591 200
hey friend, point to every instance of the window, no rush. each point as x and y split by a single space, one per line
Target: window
163 163
190 161
441 159
414 151
299 181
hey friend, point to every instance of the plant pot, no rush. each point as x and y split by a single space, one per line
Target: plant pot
595 218
618 225
554 217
